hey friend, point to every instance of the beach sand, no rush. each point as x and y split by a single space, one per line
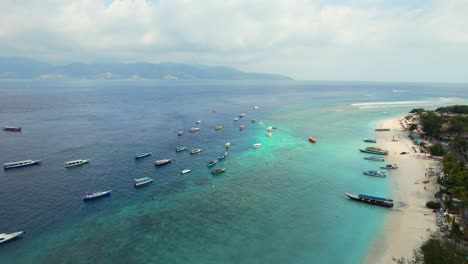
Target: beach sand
409 222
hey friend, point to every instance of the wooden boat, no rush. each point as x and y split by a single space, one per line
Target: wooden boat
19 164
312 139
374 150
143 181
382 129
241 115
269 128
218 171
179 149
195 151
269 134
194 129
4 237
389 167
370 140
74 163
95 195
198 122
218 127
211 163
371 199
162 162
223 156
374 173
236 119
180 132
185 171
374 158
12 129
242 127
256 145
142 155
227 145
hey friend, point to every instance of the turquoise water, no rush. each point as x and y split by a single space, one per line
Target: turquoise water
280 203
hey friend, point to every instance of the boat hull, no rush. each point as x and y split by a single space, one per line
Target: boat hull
376 152
104 194
13 166
369 201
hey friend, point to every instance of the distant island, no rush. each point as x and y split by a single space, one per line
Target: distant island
24 68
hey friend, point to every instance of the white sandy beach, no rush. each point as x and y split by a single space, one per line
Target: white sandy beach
409 223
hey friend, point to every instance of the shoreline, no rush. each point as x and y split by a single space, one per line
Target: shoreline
409 222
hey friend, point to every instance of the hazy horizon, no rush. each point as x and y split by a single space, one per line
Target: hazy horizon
339 40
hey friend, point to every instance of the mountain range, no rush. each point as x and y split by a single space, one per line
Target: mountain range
25 68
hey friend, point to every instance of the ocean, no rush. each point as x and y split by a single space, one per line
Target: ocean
280 203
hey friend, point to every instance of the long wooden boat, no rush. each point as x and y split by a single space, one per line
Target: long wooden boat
142 155
223 156
371 199
162 162
374 173
211 163
179 149
374 150
143 181
218 171
195 151
390 167
12 129
382 129
95 195
374 158
369 140
19 164
74 163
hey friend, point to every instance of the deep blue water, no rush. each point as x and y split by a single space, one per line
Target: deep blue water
281 203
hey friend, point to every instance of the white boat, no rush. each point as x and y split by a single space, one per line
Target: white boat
227 145
198 122
143 181
194 129
194 151
269 128
236 119
95 195
75 163
18 164
6 237
256 145
162 162
185 171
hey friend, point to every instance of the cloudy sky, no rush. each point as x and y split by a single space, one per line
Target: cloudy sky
394 40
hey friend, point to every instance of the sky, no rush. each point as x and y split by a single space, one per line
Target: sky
366 40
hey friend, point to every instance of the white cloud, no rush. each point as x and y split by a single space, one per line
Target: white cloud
305 39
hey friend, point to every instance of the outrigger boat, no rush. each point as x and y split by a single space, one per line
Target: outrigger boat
390 167
374 158
371 199
12 129
198 122
143 181
179 149
195 151
19 164
4 237
223 156
374 150
185 171
374 173
370 140
211 163
162 162
74 163
142 155
218 171
95 195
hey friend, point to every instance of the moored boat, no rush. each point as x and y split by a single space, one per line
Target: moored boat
142 155
4 237
211 163
389 167
312 139
143 181
194 129
198 122
185 171
269 134
242 127
12 129
236 119
374 150
269 128
95 195
227 145
371 199
219 127
256 145
374 158
21 163
241 115
369 140
223 156
195 151
74 163
218 171
180 132
382 129
374 173
161 162
179 149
